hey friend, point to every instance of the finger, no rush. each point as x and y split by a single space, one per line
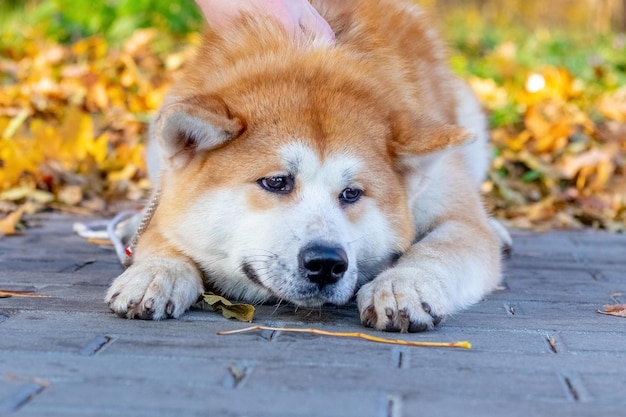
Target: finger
314 25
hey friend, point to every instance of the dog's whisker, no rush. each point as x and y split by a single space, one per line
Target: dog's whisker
280 301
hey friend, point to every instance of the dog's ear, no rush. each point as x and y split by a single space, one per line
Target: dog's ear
423 136
185 127
417 145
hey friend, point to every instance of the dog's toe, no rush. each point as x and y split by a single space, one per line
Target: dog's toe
394 303
155 289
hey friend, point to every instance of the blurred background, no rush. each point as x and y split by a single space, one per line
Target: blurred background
599 16
80 79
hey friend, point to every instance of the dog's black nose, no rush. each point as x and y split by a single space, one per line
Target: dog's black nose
323 263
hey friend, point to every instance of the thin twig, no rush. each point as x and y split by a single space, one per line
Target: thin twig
463 345
39 381
25 294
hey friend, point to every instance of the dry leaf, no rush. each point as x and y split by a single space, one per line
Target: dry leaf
84 110
241 312
70 195
618 310
8 224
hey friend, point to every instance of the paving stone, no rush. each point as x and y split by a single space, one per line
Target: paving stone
539 347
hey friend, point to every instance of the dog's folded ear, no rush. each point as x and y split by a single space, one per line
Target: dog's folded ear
417 145
423 135
185 127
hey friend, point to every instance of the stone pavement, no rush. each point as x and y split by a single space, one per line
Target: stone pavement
539 347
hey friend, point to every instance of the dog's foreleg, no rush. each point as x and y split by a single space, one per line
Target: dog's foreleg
450 268
453 263
161 283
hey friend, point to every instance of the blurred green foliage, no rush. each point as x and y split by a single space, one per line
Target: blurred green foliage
70 20
507 53
551 78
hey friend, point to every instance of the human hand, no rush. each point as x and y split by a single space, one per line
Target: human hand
297 16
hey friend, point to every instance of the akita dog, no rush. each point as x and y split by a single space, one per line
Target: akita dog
298 171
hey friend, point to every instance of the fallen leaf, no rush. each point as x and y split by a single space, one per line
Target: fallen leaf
617 310
70 194
241 312
8 224
552 343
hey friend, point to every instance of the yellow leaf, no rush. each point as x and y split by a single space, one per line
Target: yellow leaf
570 166
97 97
614 106
26 192
41 197
47 139
604 172
174 61
7 224
15 194
241 312
70 195
139 40
98 148
71 140
15 123
549 127
155 97
125 174
18 155
490 94
94 47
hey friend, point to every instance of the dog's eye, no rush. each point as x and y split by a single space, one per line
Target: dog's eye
278 184
350 195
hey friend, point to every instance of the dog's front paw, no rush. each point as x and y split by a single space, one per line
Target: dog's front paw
401 300
155 289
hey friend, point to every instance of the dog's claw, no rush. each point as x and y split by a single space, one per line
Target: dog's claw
396 305
149 305
169 308
155 289
369 317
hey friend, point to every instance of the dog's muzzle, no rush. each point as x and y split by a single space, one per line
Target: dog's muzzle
323 263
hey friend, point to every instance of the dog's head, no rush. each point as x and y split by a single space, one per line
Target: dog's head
292 177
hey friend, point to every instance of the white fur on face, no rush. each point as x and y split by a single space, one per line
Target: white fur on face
252 254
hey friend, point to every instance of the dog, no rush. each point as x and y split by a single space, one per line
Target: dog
298 171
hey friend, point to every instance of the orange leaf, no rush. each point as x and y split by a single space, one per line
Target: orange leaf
618 310
7 224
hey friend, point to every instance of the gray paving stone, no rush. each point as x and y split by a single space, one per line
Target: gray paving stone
539 347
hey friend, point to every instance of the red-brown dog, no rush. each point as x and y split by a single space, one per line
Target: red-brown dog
310 173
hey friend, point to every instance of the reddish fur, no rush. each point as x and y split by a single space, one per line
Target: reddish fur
383 94
359 97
